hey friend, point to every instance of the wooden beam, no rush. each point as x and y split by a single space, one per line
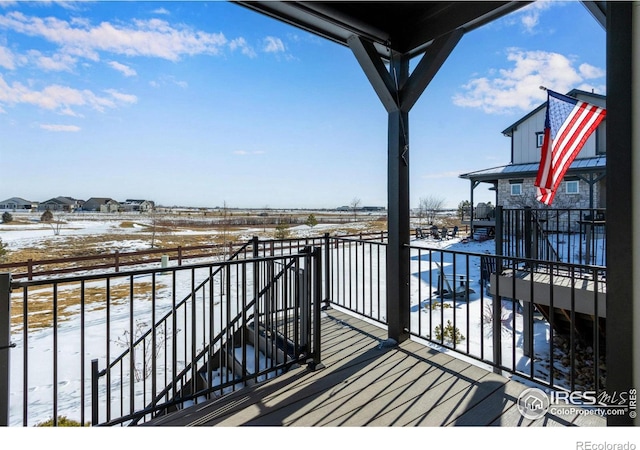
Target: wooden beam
429 64
623 195
376 72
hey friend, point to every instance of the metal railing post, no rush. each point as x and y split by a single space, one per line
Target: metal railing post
5 346
94 392
327 272
528 236
499 230
316 299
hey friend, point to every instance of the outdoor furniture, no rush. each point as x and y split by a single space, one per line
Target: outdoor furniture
481 234
445 289
487 267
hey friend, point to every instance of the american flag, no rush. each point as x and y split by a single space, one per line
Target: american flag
569 123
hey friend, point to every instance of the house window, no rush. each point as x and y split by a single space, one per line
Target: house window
572 187
539 139
516 188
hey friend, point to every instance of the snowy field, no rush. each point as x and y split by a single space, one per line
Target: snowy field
427 313
29 232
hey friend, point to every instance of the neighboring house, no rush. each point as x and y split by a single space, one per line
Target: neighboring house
64 204
15 203
583 185
101 204
130 205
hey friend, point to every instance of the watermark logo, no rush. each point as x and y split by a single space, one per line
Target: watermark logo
533 403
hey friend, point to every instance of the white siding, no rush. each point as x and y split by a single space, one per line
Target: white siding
525 149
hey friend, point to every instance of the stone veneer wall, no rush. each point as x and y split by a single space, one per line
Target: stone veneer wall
562 199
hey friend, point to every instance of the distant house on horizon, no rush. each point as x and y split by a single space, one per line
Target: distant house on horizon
101 204
16 203
583 185
63 204
131 205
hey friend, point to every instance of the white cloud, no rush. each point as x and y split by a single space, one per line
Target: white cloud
518 88
125 70
588 71
168 80
56 63
530 15
7 59
273 45
61 99
245 48
152 38
58 128
161 11
122 98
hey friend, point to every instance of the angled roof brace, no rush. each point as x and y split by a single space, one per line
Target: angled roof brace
376 71
599 12
429 65
403 97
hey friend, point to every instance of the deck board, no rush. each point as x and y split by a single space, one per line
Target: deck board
364 383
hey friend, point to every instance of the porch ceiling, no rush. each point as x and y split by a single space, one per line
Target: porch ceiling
404 27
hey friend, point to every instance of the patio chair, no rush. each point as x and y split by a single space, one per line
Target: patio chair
445 290
487 267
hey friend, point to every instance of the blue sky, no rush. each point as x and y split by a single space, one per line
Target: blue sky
205 103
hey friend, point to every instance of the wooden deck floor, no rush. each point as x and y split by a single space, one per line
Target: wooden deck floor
366 384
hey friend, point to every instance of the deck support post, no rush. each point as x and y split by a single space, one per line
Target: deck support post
623 200
5 346
399 91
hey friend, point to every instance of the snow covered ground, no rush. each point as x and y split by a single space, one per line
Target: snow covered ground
426 314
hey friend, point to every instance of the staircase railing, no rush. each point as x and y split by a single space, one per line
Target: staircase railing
230 319
543 248
146 342
574 236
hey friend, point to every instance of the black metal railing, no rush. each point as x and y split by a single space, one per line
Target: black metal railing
537 315
356 271
537 318
253 322
67 329
576 236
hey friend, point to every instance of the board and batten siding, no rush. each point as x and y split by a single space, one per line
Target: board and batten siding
525 149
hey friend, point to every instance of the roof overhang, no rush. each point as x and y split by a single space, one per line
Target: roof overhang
404 27
578 166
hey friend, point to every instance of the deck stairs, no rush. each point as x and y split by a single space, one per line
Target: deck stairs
248 357
269 335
